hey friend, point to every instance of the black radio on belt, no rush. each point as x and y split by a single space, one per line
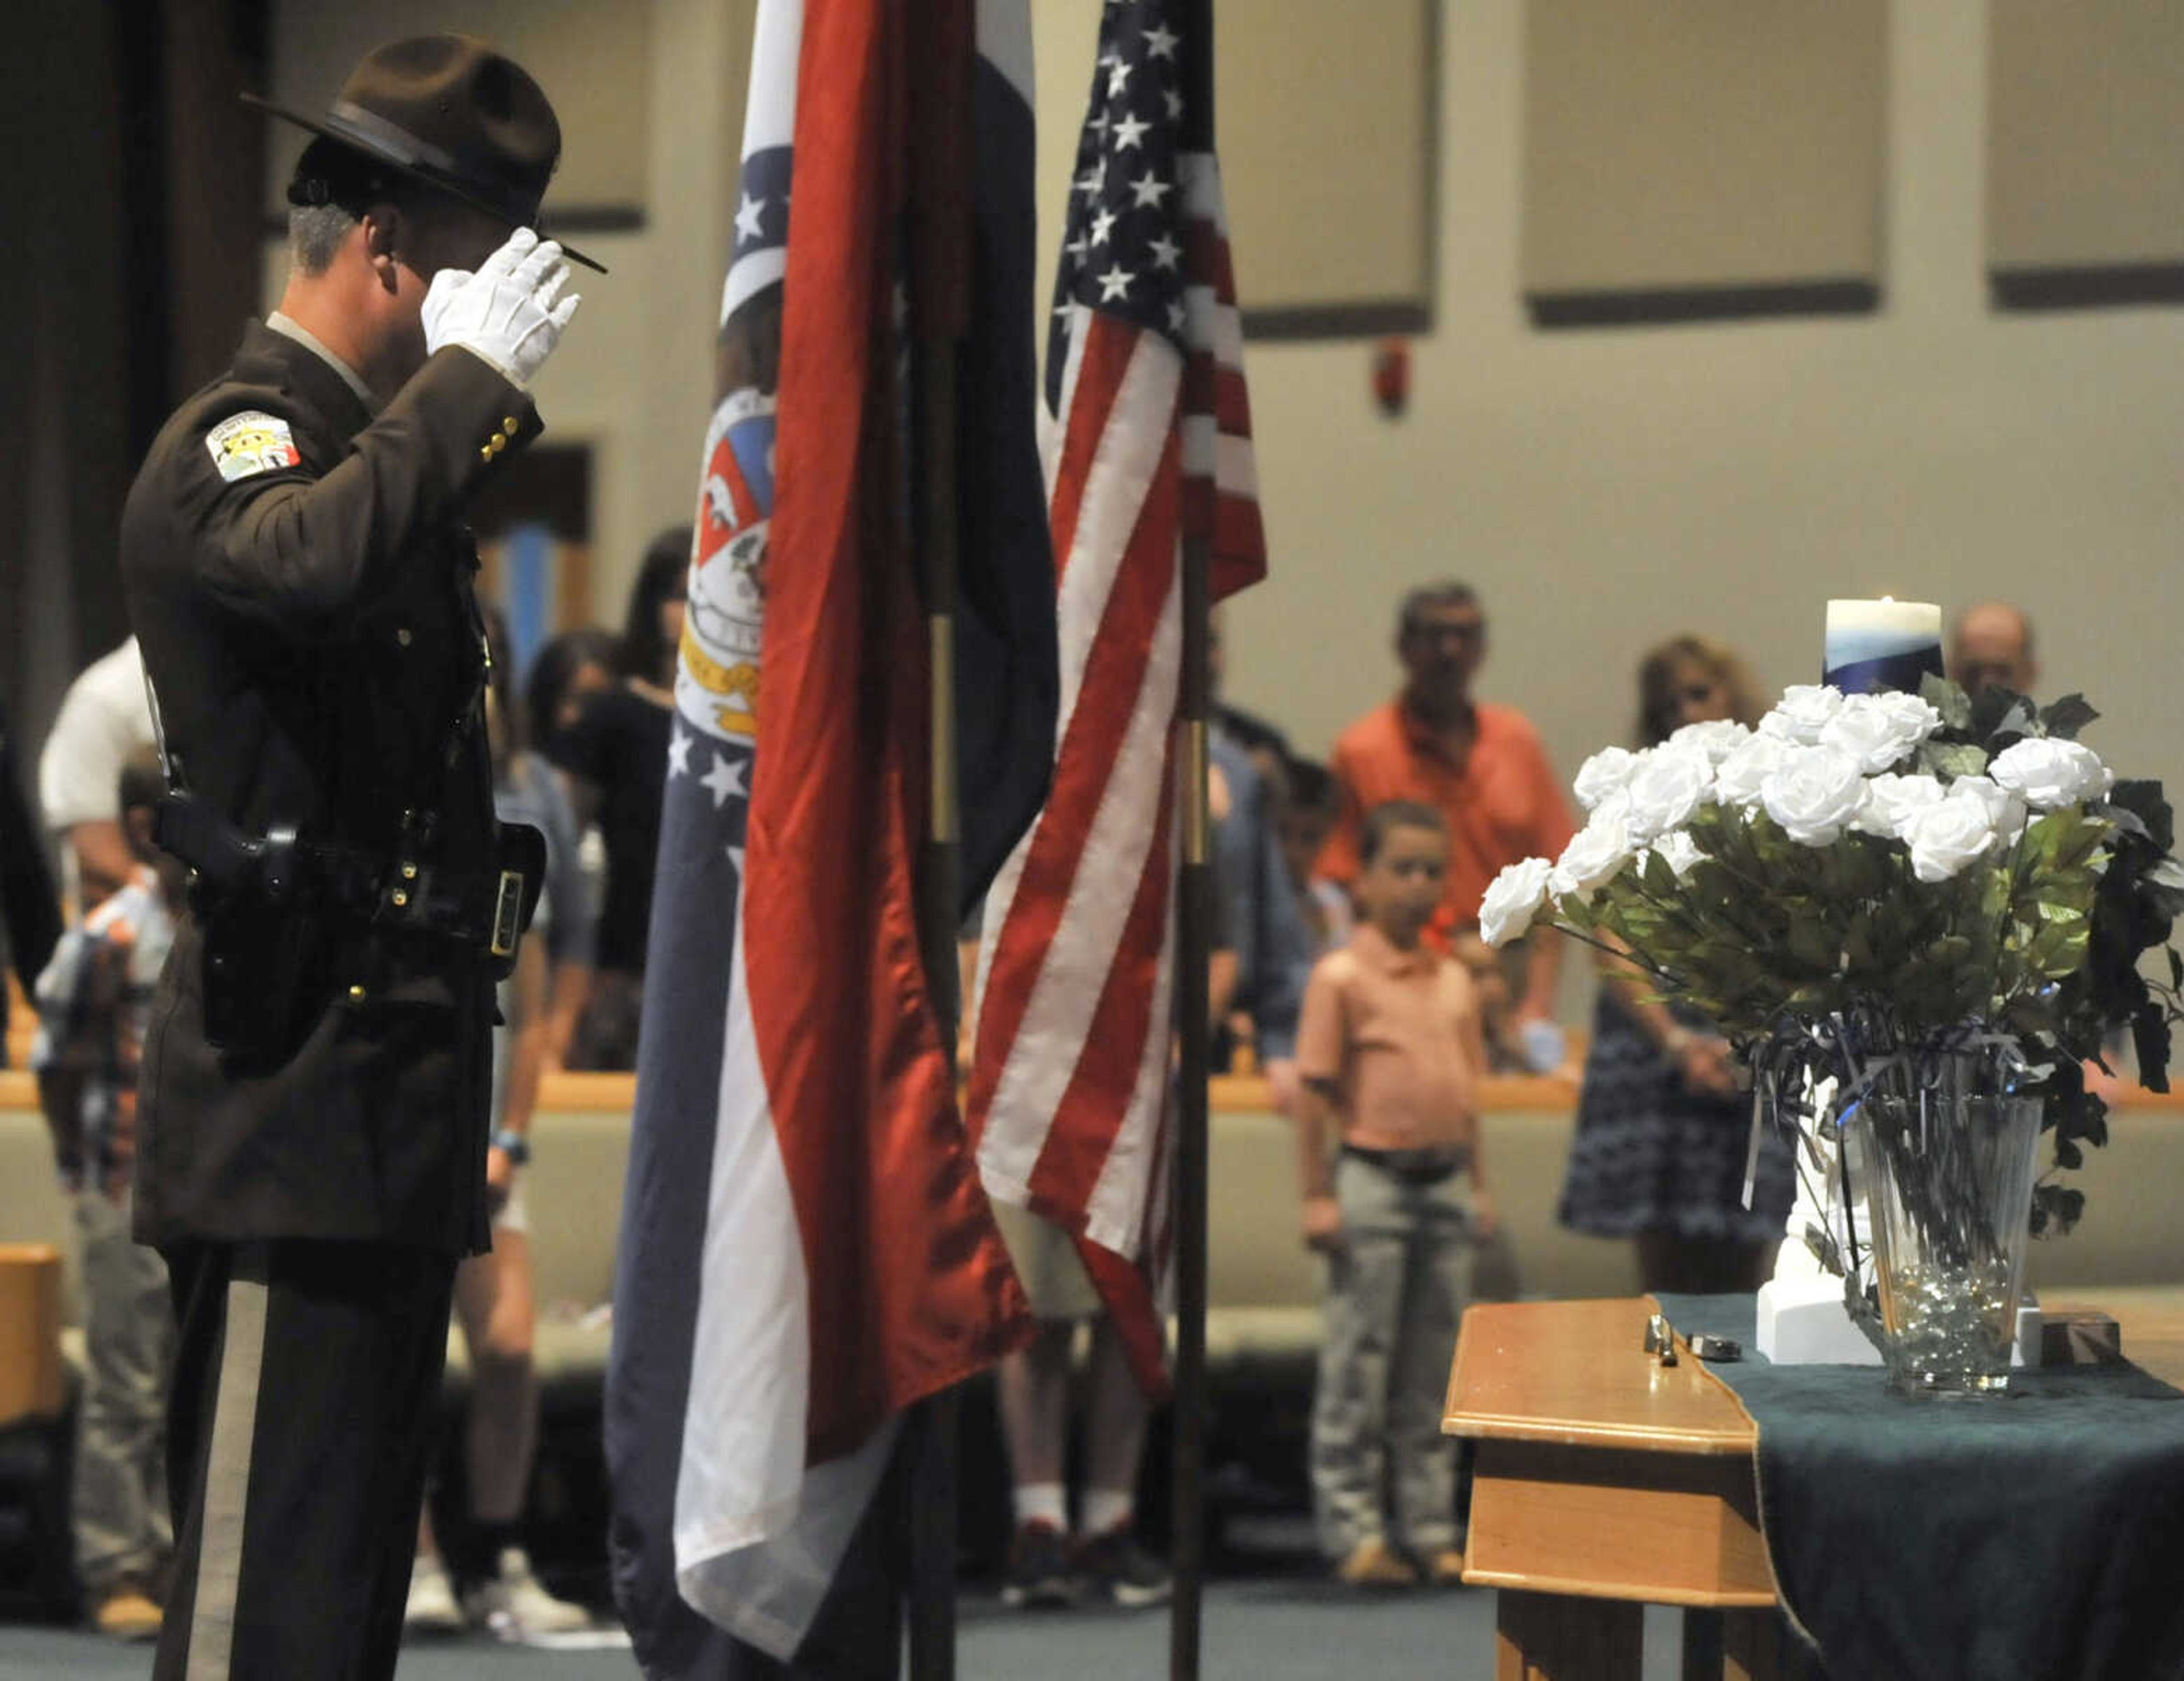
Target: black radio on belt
488 909
520 875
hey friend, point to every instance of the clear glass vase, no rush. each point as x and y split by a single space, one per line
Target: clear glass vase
1947 1172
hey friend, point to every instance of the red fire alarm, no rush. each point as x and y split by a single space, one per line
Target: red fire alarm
1391 375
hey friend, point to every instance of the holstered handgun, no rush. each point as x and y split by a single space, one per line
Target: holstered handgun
261 947
263 978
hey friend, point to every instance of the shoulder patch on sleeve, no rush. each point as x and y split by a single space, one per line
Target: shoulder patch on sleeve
251 442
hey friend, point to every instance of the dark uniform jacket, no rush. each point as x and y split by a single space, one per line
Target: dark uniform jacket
300 579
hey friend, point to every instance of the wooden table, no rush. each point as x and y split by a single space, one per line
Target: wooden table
1603 1481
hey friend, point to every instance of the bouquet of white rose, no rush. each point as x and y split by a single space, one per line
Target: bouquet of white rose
1868 879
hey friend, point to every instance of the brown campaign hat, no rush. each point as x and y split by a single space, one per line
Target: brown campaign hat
449 111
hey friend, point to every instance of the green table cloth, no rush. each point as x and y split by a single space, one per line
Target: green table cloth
2038 1535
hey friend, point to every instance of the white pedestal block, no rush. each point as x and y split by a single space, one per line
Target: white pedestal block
1803 1322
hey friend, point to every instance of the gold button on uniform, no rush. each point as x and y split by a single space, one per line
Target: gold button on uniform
356 994
508 425
401 899
485 452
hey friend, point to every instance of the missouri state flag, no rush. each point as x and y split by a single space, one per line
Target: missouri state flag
805 1247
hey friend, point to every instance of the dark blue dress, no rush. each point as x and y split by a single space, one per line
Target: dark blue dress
1649 1156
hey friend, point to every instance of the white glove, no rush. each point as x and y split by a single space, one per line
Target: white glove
507 312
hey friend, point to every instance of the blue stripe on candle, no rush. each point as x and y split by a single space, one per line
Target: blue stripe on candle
1903 670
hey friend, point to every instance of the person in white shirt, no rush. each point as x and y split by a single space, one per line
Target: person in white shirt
105 720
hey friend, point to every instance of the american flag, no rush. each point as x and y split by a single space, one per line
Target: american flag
1150 444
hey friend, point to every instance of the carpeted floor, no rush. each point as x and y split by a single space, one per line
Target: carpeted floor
1273 1628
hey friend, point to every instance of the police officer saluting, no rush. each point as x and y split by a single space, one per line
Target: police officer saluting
315 1074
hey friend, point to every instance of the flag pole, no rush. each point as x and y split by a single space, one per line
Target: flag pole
931 1488
1193 947
1194 930
939 219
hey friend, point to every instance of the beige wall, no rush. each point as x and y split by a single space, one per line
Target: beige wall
1602 487
1606 487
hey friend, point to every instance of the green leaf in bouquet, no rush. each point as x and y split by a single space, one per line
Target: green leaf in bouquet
1868 865
2143 797
1813 944
1999 712
2055 1211
1576 910
1949 760
1814 997
2164 903
2058 950
1948 700
2067 839
2150 1036
2125 822
2028 1015
2067 716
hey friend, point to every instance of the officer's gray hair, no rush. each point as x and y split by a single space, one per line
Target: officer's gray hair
316 232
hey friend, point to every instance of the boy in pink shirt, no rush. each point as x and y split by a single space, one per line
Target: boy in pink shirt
1389 1051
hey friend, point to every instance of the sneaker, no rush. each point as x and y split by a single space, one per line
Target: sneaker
124 1611
1121 1571
432 1608
1040 1572
514 1605
1375 1564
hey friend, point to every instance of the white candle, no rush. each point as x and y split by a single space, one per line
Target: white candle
1882 644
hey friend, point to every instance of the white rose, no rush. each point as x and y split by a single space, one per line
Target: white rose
1669 785
1947 836
1717 737
1594 856
1512 901
1813 794
1802 713
2005 811
2049 772
1602 774
1879 729
1891 802
1747 769
1678 850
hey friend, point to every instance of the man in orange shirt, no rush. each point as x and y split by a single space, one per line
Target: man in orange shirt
1482 766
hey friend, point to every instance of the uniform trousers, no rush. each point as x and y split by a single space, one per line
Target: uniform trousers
1394 1289
306 1385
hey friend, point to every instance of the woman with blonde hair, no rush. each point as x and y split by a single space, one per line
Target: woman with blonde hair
1662 1130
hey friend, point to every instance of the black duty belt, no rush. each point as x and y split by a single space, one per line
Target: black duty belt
489 909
